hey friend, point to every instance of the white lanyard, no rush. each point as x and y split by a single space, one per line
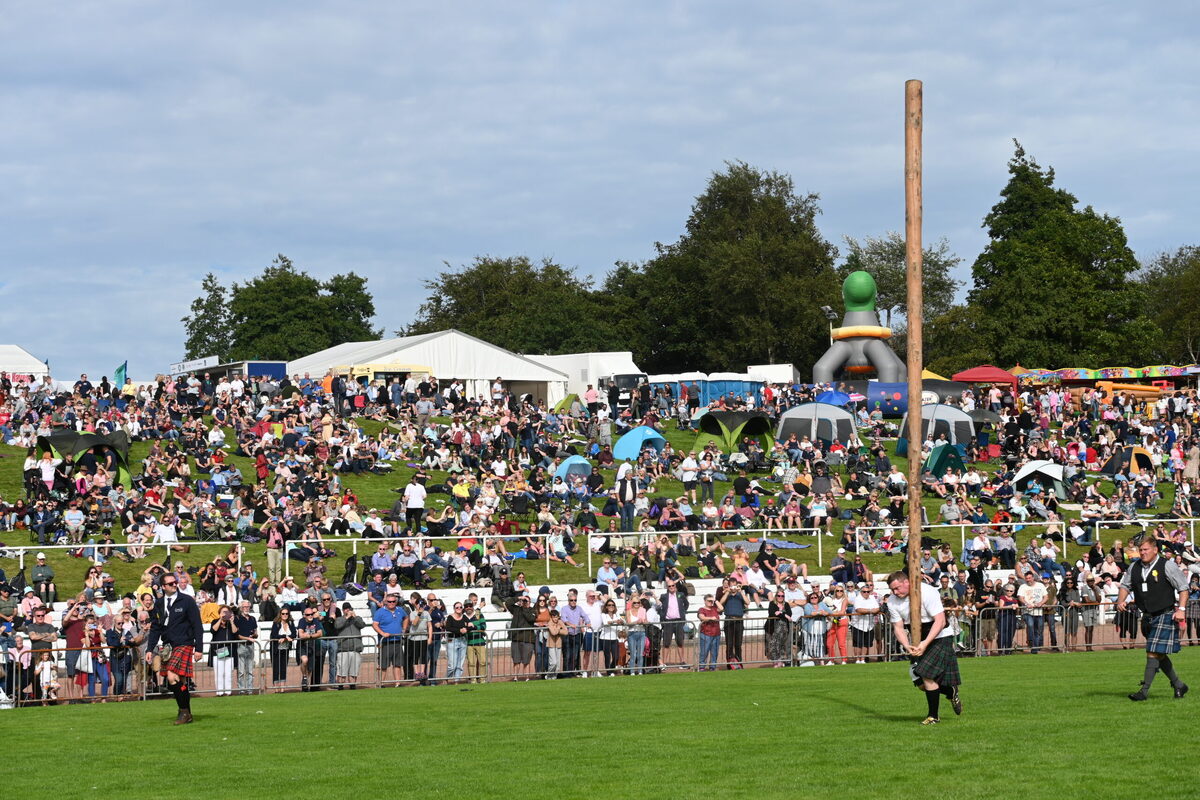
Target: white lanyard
1146 568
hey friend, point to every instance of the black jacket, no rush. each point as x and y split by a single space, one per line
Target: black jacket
181 629
682 599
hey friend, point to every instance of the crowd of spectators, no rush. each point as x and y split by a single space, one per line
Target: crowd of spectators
493 459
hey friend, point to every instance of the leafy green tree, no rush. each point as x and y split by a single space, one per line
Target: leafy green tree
285 313
953 341
207 329
744 283
1053 287
517 304
884 257
1172 285
349 309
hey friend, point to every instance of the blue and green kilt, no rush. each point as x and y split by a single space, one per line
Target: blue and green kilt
1161 632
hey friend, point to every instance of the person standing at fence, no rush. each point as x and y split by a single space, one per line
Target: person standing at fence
437 633
709 615
777 629
835 638
1160 590
176 622
576 620
348 629
456 643
863 607
611 625
309 632
1192 614
731 597
388 624
283 637
327 614
245 628
591 635
934 665
814 625
222 651
417 626
122 640
1032 595
555 631
476 642
635 641
674 605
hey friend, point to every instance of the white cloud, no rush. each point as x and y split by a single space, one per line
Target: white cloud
145 144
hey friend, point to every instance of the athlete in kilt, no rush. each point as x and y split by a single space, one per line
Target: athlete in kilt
176 622
934 665
1160 591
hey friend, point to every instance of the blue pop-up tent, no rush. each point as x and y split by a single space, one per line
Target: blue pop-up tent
574 465
631 445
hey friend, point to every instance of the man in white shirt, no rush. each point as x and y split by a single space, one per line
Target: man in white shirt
981 546
165 531
758 582
863 608
592 608
414 505
934 665
373 521
1032 595
689 470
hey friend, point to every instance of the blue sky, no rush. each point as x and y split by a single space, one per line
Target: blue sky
145 144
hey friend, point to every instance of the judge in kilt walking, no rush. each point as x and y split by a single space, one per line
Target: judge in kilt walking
934 665
176 623
1160 591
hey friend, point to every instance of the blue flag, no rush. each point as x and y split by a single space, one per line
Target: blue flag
119 375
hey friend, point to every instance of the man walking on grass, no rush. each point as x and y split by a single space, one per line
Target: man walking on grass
176 623
1160 590
934 665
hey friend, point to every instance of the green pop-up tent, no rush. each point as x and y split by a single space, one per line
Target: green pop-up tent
564 406
70 445
942 459
727 428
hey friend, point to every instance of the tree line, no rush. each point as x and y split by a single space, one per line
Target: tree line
1056 285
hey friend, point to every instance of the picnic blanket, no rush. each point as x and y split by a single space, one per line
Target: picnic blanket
782 544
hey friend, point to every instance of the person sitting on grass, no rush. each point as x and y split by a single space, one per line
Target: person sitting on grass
556 548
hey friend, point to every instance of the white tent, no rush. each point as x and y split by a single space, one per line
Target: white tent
16 360
775 373
450 354
1044 473
583 369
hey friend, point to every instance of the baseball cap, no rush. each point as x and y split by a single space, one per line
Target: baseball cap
841 550
864 585
41 555
28 590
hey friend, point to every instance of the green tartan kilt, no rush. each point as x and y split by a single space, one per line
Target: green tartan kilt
938 663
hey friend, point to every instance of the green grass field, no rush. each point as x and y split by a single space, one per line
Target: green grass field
1046 726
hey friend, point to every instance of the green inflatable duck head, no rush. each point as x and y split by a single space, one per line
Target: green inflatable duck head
858 291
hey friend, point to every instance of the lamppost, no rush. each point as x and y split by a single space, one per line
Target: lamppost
832 316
